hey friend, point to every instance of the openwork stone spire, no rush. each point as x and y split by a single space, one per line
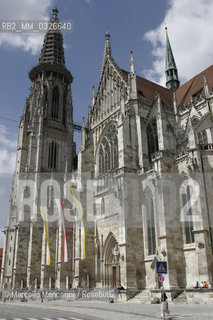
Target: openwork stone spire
53 51
52 54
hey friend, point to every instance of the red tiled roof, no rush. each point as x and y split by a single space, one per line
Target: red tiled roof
196 84
148 89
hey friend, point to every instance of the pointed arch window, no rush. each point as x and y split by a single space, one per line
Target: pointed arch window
108 153
151 227
98 263
115 152
107 156
205 139
102 206
101 160
188 217
55 104
45 101
52 155
202 139
64 107
152 138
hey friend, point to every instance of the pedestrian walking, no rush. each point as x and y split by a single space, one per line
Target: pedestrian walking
164 304
42 296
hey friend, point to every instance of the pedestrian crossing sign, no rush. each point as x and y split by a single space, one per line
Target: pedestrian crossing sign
161 267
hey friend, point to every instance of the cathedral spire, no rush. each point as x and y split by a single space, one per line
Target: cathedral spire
53 50
172 81
107 49
52 54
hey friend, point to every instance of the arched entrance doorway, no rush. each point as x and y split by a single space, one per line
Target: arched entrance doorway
111 262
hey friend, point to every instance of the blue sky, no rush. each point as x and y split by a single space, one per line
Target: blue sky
136 25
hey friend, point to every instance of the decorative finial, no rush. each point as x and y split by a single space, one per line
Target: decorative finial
55 13
83 122
107 35
132 68
206 88
93 95
107 44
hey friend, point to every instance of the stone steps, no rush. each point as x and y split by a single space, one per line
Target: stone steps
181 297
143 296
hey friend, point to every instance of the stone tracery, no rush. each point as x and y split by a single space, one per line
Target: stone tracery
108 152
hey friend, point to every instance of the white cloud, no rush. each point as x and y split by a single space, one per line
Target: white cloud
7 151
189 25
24 9
7 160
2 191
4 140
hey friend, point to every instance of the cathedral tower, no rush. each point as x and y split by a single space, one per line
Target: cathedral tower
45 152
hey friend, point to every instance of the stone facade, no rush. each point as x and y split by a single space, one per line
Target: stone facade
143 183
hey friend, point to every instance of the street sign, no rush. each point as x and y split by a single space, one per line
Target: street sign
161 267
161 279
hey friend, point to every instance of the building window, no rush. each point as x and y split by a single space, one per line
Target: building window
45 94
188 219
26 192
151 227
52 155
115 152
55 104
108 152
102 206
107 156
50 197
101 160
152 138
98 264
202 139
45 102
64 108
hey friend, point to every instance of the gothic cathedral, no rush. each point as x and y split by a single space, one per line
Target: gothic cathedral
138 192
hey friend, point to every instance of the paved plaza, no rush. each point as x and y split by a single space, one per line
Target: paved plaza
100 311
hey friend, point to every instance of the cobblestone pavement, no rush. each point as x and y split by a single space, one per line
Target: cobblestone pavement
62 310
